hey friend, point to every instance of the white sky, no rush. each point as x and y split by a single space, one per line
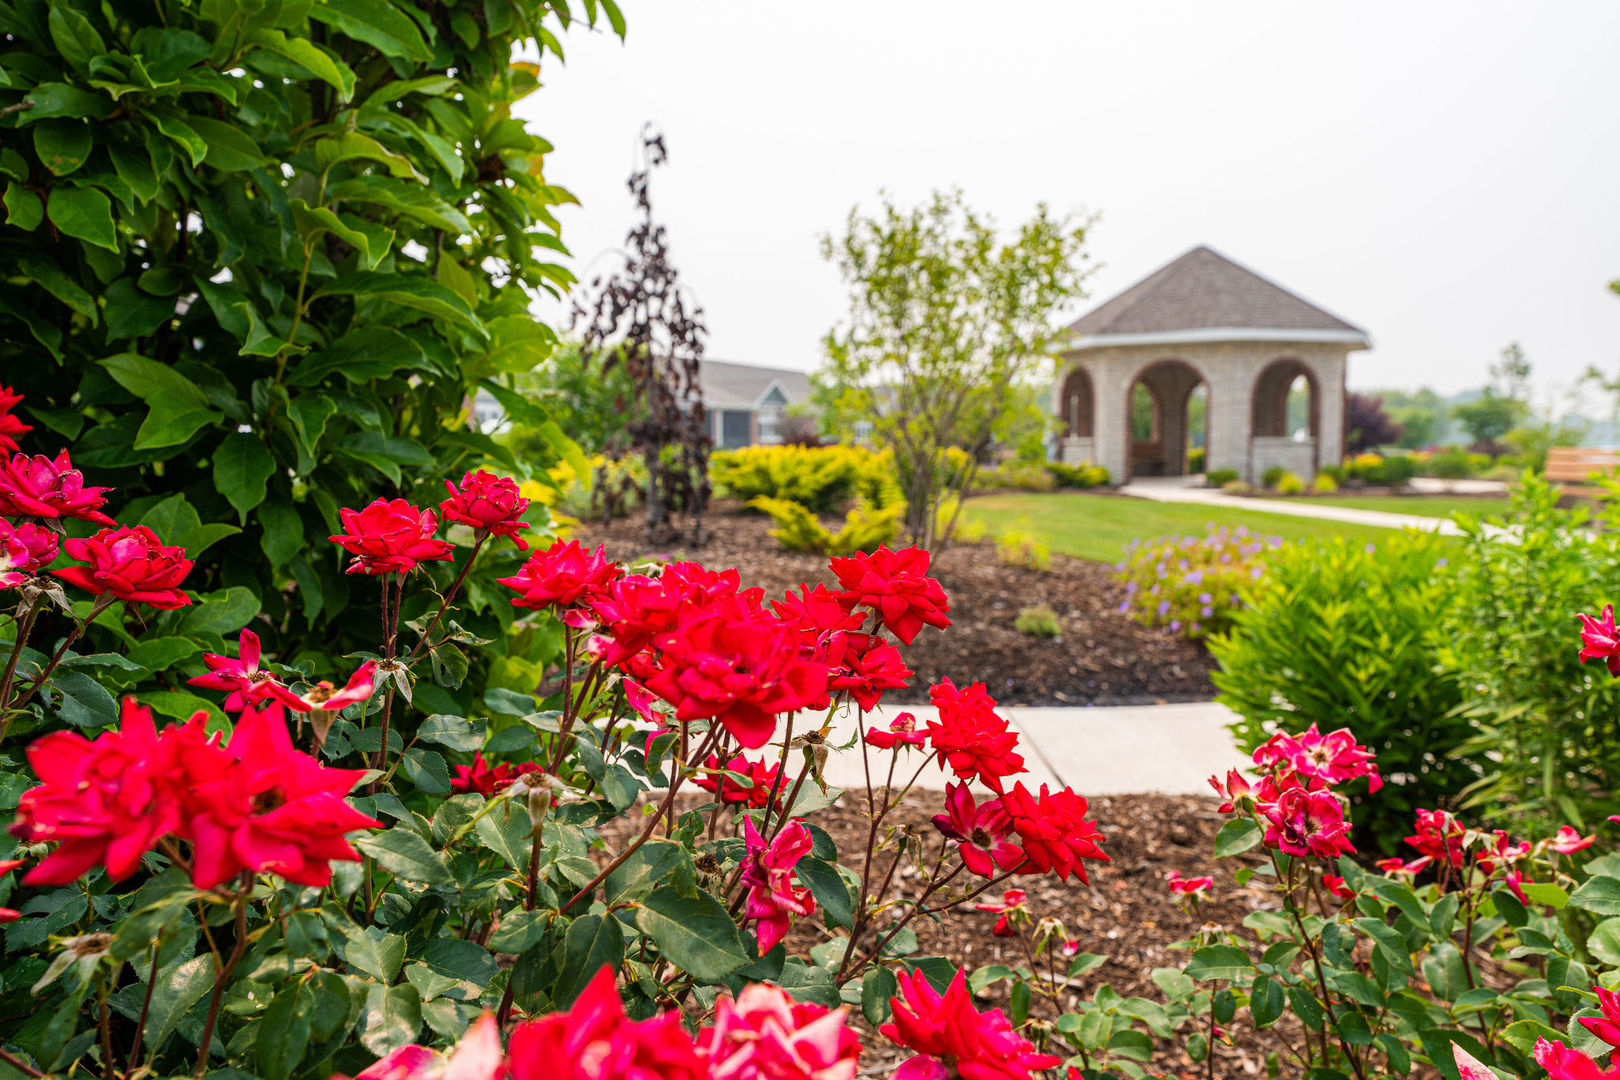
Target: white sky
1442 174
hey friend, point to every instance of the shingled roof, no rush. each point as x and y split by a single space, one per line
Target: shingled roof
1204 290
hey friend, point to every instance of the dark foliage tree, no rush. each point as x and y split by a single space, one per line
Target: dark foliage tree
640 320
1368 424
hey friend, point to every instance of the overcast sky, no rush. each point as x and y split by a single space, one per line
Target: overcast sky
1446 176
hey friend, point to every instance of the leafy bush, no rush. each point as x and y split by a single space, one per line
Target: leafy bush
1271 477
1219 478
1342 634
1545 736
797 529
1289 483
1195 459
1335 473
1193 584
1016 547
1394 471
1015 476
821 479
1454 463
1237 487
245 283
1324 484
1084 475
1039 621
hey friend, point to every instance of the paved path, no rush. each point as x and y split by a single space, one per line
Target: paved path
1176 489
1101 750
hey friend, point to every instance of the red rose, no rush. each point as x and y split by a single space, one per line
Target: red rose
1054 831
390 537
970 738
564 575
595 1040
130 563
10 425
24 550
947 1028
45 487
896 585
867 667
488 502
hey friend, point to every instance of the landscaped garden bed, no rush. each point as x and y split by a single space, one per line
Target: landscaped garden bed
1101 656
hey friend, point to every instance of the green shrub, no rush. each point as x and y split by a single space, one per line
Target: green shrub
1340 634
1325 483
1219 478
1271 476
797 529
1335 473
1195 459
1546 731
1192 584
1394 471
820 478
1015 547
1289 483
1084 475
1453 463
1237 487
1015 476
1039 621
245 285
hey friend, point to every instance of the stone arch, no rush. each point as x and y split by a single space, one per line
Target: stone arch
1271 442
1077 404
1171 382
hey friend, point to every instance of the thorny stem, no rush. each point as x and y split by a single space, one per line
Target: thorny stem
102 603
450 594
25 627
19 1064
221 979
676 776
390 647
146 1007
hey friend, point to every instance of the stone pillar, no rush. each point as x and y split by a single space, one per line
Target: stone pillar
1230 413
1111 384
1330 410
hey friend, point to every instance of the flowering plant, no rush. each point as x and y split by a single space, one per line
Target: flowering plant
1193 584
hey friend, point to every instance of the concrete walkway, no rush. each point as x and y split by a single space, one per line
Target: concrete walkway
1178 489
1101 750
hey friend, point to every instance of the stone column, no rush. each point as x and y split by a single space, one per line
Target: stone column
1231 379
1330 410
1111 383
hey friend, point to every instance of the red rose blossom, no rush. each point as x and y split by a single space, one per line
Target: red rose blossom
903 731
896 585
1010 908
637 608
1053 830
1333 757
866 666
565 575
106 802
390 536
479 777
1567 1063
594 1040
982 832
247 685
1194 887
773 898
130 563
765 1035
24 550
1303 820
970 738
949 1033
487 502
1600 640
11 425
49 488
759 773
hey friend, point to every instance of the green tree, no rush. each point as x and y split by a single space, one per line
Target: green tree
596 400
257 259
944 320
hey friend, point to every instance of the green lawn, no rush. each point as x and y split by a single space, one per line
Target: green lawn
1098 527
1422 505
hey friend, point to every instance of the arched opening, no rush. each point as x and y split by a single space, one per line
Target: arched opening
1076 405
1198 430
1160 419
1287 419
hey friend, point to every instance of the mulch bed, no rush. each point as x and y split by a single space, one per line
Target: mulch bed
1101 657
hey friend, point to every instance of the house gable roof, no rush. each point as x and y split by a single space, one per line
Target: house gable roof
1203 295
743 386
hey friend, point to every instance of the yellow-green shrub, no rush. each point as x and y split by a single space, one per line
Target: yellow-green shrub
798 529
1289 483
820 478
1015 547
1324 484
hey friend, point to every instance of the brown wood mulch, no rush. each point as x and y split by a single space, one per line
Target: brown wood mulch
1101 657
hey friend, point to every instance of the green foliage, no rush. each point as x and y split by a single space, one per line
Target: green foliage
1490 416
1081 476
1396 470
1545 734
947 323
1325 483
1454 463
1341 634
821 479
595 401
798 529
1015 476
245 270
1193 584
1039 621
1220 477
1016 547
1270 477
1289 483
1531 441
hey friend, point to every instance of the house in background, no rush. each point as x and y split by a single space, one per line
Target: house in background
747 404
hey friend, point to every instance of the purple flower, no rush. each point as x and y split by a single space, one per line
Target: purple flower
1164 607
1124 606
1175 624
1205 598
1206 611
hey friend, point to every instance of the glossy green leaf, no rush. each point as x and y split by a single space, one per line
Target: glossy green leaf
84 214
694 932
242 465
405 855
